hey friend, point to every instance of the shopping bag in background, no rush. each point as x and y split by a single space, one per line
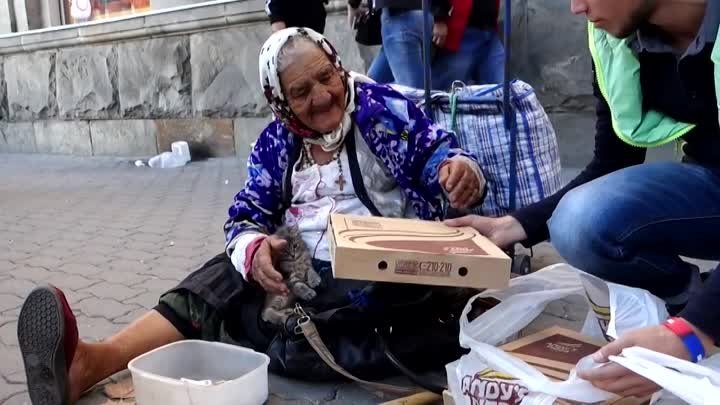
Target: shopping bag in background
478 120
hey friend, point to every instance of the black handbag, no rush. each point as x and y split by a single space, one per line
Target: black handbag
415 328
369 29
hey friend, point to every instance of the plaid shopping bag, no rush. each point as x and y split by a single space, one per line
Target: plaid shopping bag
475 114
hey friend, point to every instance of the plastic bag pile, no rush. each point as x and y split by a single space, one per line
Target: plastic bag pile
487 375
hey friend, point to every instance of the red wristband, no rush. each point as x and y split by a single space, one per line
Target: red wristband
679 327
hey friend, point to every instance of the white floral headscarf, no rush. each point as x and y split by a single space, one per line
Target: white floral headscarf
270 82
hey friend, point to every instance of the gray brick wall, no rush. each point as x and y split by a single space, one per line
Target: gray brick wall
131 97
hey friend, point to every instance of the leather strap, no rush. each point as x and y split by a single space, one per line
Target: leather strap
356 176
293 156
307 326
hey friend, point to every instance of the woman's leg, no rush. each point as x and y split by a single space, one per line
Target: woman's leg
60 368
93 362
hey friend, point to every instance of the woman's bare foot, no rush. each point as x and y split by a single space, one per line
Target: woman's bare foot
59 367
82 375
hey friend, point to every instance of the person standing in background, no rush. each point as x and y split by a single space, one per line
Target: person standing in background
400 59
473 52
296 13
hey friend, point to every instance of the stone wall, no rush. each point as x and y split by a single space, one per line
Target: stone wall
132 95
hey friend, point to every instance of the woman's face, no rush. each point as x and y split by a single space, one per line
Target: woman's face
314 90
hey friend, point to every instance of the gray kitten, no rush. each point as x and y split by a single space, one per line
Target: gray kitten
295 264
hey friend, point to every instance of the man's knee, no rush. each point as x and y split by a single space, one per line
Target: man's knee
578 229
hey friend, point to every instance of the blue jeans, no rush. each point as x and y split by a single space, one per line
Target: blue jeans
479 60
401 58
631 226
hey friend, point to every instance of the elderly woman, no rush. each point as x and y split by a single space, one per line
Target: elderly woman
339 144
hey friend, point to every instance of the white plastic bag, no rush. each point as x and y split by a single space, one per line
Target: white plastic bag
526 298
521 303
628 308
179 156
695 384
473 371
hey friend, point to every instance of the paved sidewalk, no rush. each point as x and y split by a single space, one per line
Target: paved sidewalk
114 237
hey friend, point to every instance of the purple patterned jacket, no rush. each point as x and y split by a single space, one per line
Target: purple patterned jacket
396 131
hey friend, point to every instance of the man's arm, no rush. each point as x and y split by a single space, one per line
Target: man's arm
702 315
611 154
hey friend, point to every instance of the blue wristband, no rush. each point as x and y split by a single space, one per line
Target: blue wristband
694 346
685 332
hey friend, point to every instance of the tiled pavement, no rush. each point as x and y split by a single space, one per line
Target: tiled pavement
115 236
112 235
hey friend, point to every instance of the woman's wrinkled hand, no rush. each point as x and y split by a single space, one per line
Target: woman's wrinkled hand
461 183
263 266
614 378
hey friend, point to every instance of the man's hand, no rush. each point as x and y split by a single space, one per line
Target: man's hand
614 378
263 269
503 231
440 32
461 183
278 25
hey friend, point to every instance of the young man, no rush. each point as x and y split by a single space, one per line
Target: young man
626 221
296 13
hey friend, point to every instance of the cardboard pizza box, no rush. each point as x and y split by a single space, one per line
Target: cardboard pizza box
556 351
414 252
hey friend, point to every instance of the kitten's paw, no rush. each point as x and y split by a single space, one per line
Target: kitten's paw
271 315
312 278
303 291
277 317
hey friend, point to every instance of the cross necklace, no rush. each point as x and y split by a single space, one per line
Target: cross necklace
340 181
